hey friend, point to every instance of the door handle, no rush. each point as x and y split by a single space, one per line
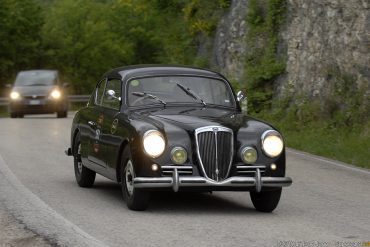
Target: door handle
91 123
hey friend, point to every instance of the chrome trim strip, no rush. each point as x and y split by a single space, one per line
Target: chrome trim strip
177 167
175 180
211 129
250 167
195 181
258 180
216 147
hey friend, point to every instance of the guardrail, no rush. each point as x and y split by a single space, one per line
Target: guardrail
71 98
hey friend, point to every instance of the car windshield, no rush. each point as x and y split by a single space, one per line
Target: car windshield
179 89
36 78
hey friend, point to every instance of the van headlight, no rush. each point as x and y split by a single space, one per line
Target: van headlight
15 95
55 94
272 143
154 143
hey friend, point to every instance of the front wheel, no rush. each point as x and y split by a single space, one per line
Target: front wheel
84 176
266 201
136 199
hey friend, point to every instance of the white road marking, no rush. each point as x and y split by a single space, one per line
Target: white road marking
29 209
328 161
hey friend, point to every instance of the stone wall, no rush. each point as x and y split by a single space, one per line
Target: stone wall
325 39
229 49
321 38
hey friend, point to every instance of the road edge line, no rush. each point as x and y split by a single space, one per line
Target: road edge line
329 161
37 216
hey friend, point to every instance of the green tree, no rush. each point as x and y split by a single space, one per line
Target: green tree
80 41
20 46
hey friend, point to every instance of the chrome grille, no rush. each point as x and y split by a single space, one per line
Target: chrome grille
215 151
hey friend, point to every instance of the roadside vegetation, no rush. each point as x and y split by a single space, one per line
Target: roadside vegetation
337 127
85 38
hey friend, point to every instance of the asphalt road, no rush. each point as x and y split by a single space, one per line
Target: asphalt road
328 203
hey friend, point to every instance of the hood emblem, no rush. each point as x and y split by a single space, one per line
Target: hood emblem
34 96
215 129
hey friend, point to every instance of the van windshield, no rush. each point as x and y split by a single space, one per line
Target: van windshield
36 78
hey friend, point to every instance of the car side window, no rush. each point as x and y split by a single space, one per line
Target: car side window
112 94
99 92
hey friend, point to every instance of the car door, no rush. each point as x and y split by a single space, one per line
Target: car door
111 103
95 122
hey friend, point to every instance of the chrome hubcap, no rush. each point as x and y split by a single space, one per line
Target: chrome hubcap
79 162
130 174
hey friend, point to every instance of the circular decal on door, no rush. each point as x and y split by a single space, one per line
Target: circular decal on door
113 129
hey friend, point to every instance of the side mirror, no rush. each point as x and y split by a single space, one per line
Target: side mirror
111 94
240 96
66 84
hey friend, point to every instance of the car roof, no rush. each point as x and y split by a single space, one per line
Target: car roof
128 72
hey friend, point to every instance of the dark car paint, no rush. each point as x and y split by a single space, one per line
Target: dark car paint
176 122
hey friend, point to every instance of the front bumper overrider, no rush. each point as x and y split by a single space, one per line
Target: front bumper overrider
177 181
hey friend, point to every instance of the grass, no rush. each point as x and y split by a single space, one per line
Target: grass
347 144
4 111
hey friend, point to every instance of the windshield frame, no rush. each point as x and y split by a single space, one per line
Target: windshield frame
155 104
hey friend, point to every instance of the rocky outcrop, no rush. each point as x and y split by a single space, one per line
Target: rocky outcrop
229 45
323 40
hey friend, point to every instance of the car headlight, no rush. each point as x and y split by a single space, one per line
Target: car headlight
154 143
272 143
179 155
14 95
55 94
248 155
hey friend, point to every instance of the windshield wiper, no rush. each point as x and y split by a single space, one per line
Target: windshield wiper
148 95
191 93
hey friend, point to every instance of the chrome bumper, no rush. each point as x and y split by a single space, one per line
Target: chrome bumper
176 181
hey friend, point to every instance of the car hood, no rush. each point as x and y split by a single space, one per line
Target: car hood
34 90
190 119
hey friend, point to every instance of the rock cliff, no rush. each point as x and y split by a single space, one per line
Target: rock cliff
325 42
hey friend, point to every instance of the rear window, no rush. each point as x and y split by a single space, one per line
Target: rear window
36 78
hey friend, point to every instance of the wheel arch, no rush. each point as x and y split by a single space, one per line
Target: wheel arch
124 144
76 131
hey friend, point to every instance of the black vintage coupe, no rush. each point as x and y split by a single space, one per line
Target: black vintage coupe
175 128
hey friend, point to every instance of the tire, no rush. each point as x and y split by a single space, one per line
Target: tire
266 201
20 115
62 114
13 115
136 199
84 176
